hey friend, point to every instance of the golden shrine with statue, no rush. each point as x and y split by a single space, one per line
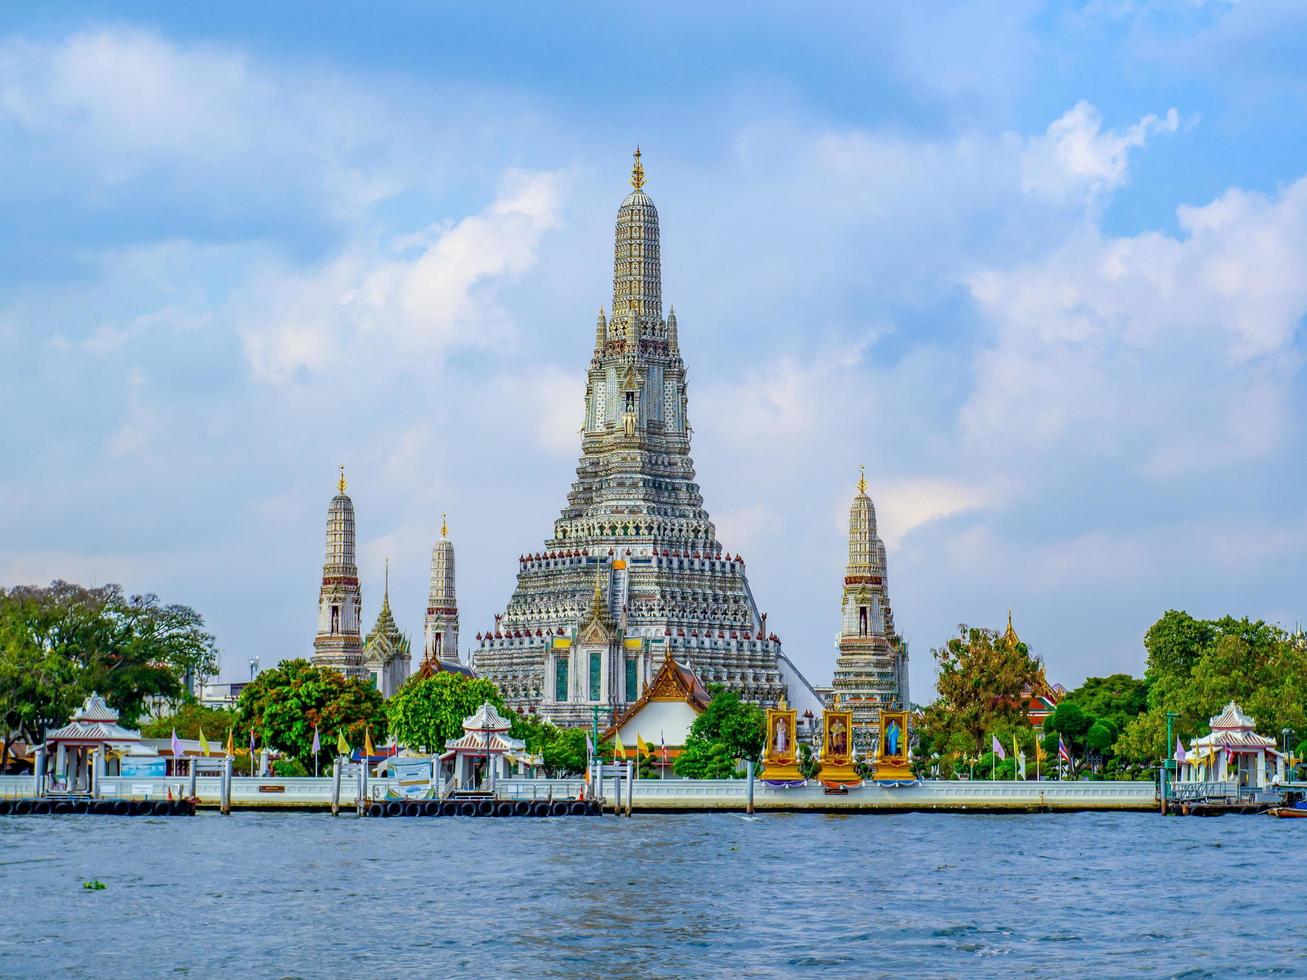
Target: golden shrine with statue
892 750
837 768
780 762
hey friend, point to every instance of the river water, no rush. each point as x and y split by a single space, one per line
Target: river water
303 895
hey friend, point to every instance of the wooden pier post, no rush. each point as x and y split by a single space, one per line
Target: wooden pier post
748 804
335 785
363 786
194 776
630 786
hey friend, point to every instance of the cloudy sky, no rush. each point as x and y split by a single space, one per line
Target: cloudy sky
1041 267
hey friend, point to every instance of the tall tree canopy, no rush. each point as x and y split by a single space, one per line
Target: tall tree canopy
428 711
284 703
1196 666
59 643
981 682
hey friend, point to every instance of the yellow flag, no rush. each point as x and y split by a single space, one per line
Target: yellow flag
341 745
1040 754
204 743
619 750
231 743
367 743
641 744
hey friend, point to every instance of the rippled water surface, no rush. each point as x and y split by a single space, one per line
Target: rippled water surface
304 895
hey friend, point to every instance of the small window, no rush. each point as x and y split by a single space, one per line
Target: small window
596 673
335 619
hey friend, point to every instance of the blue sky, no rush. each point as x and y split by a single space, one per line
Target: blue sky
1038 266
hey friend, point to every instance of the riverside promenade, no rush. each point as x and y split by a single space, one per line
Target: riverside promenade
657 795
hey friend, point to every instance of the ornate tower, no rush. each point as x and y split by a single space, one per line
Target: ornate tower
440 634
340 603
633 569
871 668
387 656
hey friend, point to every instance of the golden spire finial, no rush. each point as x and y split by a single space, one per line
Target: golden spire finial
637 171
341 484
862 479
386 594
444 527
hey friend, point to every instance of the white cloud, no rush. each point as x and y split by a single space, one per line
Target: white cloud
1175 351
1076 160
371 305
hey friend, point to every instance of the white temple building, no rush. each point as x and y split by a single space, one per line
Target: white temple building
1232 753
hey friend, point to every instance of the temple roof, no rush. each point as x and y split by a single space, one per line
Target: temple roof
94 709
486 718
673 682
385 640
1231 718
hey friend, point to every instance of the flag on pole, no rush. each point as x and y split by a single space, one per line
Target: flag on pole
997 747
251 741
367 743
1040 754
589 746
619 750
1062 752
662 745
342 746
231 741
204 743
641 744
1180 755
1021 764
317 742
176 747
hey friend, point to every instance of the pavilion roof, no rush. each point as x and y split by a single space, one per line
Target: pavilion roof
477 742
486 718
1231 717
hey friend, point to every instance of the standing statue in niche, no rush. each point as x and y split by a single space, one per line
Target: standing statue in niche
892 738
782 742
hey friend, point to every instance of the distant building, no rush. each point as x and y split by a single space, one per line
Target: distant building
633 570
339 642
871 670
440 629
387 656
664 712
1042 698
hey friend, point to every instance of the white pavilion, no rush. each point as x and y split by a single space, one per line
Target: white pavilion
485 747
93 728
1232 752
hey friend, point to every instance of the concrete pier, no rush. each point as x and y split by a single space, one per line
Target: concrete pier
665 795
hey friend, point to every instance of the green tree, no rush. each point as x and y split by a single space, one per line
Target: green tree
532 730
130 649
189 720
284 704
39 687
1201 666
1118 698
980 684
731 722
565 753
702 759
429 711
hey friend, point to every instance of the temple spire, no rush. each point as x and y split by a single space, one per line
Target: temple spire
637 172
601 330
